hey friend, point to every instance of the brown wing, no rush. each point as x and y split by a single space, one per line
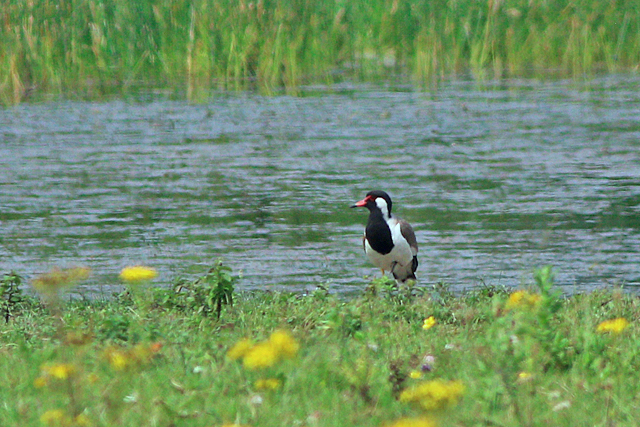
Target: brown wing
407 232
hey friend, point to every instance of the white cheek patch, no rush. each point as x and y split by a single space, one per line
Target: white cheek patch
382 204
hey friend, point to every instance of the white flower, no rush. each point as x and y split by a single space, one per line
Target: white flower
256 400
562 405
132 398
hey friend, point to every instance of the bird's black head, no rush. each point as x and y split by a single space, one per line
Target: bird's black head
370 201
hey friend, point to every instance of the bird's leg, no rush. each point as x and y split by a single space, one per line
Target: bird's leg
393 266
382 271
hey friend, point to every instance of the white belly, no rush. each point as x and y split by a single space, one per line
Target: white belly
400 255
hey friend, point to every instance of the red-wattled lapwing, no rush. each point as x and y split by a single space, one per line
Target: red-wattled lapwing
389 242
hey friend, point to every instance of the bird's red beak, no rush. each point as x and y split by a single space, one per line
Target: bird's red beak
361 203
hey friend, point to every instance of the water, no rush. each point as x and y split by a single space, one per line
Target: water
497 180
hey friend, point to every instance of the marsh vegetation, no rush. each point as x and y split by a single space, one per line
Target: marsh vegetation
93 47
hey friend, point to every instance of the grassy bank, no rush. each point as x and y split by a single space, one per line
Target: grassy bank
93 47
414 357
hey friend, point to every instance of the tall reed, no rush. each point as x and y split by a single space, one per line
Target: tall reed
105 46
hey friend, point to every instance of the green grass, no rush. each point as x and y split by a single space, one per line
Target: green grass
534 361
96 47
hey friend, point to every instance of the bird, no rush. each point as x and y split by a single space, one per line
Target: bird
389 242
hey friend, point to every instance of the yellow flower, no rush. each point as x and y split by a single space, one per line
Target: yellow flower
523 299
40 382
284 343
415 374
55 417
267 384
240 349
413 422
118 359
267 353
429 323
524 376
137 273
121 359
614 326
61 371
56 279
82 420
434 395
262 355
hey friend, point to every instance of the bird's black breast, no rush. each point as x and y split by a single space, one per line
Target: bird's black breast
379 236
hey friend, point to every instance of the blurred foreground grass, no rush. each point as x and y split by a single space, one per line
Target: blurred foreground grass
410 357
